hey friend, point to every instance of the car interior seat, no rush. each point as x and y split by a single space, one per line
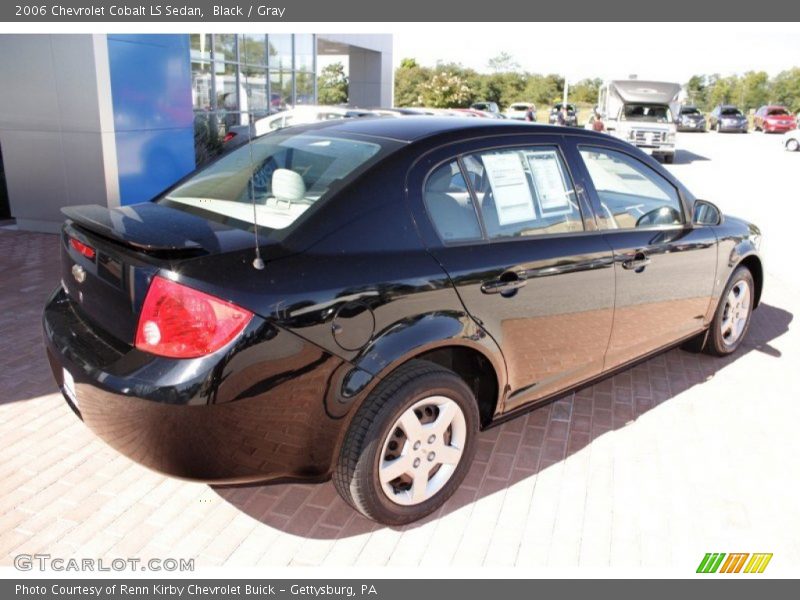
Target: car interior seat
288 186
453 219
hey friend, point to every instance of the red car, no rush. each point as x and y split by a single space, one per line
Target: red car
773 119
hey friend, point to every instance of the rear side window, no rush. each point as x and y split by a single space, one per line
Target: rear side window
450 205
523 192
631 194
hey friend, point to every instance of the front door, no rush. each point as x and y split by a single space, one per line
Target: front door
664 268
522 249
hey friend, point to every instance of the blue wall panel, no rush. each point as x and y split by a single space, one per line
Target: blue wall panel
151 83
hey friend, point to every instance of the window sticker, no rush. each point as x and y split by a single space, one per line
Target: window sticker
512 194
552 190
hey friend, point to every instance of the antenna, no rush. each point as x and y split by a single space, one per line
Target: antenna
258 262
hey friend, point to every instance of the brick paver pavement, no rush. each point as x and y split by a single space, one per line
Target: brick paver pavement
681 455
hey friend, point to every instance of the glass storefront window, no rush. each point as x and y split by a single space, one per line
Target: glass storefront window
281 89
254 73
225 47
253 48
280 51
200 46
304 87
227 94
254 82
201 85
304 52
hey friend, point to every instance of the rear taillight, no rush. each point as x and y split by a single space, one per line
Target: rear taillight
228 137
180 322
82 248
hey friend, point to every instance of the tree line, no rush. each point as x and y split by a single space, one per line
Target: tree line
451 85
747 91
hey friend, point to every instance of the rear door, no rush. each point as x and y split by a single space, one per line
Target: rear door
664 268
508 220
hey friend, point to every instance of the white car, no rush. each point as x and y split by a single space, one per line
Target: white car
791 140
518 110
304 114
299 115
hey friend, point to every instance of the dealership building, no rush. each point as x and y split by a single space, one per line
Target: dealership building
115 119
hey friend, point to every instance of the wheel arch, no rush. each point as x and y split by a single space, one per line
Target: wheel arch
753 264
450 339
474 368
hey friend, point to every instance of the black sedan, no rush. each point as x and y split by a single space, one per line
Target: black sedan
690 119
409 283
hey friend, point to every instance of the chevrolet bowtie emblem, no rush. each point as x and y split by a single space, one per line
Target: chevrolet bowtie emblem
79 273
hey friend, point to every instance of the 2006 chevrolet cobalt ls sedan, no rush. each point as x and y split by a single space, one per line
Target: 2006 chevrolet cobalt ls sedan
412 281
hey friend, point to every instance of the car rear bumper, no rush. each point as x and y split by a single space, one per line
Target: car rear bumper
777 128
256 413
736 128
699 126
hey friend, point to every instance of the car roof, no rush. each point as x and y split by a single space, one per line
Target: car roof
413 128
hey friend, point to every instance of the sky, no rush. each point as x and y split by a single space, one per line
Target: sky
658 51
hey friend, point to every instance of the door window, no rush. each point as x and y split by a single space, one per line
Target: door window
631 194
450 206
523 192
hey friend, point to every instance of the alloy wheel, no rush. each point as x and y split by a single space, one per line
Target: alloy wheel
422 450
735 313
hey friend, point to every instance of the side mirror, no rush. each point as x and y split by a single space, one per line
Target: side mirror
706 213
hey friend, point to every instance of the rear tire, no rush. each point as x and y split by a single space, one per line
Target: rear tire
792 145
733 315
389 468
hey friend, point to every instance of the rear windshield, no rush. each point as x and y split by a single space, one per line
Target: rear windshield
689 111
283 174
731 112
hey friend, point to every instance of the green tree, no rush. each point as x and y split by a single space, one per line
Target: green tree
408 78
444 90
785 89
696 91
503 63
754 90
332 85
722 90
585 91
544 89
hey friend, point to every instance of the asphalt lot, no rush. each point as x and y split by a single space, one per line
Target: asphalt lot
682 455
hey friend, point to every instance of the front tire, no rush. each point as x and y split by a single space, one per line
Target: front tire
792 145
732 319
410 444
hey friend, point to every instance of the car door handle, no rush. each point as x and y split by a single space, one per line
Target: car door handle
507 285
637 264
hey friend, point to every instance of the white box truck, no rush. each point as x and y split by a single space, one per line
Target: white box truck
640 112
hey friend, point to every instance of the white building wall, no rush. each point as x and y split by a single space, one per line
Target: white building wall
56 126
371 68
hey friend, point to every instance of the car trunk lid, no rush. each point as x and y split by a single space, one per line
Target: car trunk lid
109 256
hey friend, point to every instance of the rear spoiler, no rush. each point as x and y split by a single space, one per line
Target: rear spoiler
147 227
